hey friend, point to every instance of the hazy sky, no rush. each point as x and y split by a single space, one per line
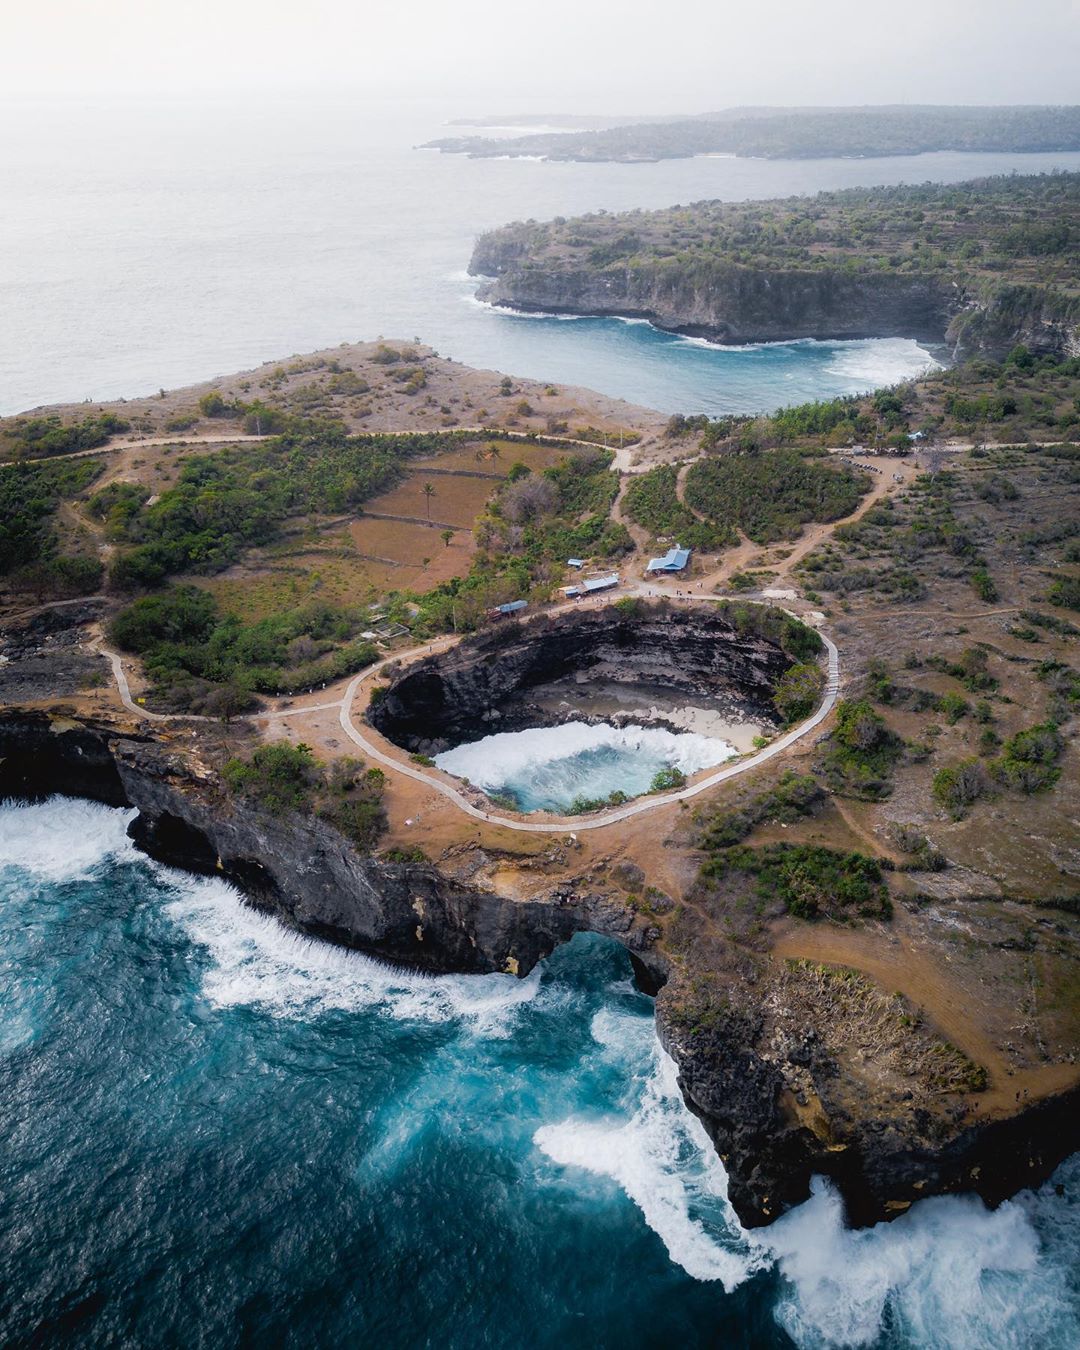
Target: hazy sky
589 55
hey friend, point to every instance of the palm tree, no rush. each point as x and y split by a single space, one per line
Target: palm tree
429 492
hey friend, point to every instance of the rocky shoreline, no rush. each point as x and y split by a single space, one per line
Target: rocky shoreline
417 914
734 304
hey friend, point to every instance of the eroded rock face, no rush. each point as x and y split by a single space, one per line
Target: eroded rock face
778 1115
731 304
771 1092
483 685
727 302
301 868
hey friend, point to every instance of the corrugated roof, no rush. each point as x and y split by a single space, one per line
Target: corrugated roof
674 560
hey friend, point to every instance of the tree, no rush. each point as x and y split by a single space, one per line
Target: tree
446 536
429 492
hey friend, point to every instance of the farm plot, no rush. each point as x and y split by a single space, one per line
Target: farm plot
416 555
478 457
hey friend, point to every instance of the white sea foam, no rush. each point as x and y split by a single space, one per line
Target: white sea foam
948 1275
951 1273
63 838
661 1157
553 765
258 962
880 362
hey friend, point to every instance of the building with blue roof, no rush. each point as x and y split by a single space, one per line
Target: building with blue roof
674 560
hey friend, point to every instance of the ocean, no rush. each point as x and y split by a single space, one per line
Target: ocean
156 244
215 1132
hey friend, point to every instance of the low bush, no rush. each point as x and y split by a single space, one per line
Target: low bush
861 752
812 882
1028 761
958 786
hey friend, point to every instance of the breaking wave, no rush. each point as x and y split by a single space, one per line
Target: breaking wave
581 1102
257 962
63 838
547 768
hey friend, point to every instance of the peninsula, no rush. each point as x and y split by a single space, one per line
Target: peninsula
785 133
981 266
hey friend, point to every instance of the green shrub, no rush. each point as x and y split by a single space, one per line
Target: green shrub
1028 761
668 779
958 786
795 795
280 777
799 690
861 752
1065 592
812 882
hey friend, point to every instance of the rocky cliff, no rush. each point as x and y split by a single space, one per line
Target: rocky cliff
743 273
726 303
483 684
760 1070
300 868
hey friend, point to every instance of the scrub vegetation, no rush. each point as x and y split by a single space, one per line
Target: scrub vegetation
31 553
200 660
772 495
287 779
652 500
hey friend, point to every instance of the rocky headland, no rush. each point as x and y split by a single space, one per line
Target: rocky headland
943 268
768 1086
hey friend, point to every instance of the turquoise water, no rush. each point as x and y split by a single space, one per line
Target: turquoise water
547 768
155 244
213 1132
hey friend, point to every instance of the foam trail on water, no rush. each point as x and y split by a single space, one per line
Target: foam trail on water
547 767
661 1157
258 962
63 838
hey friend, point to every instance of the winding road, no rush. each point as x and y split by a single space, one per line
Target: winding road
437 782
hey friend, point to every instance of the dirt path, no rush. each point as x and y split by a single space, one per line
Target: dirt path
739 558
118 446
680 487
637 532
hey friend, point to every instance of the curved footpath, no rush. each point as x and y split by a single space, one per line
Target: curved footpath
212 442
555 825
560 825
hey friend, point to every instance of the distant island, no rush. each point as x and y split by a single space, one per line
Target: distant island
982 265
787 133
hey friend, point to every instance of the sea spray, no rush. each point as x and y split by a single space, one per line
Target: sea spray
208 1107
63 838
255 962
947 1275
547 768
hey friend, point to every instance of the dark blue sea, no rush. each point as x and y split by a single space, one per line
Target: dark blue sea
214 1132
